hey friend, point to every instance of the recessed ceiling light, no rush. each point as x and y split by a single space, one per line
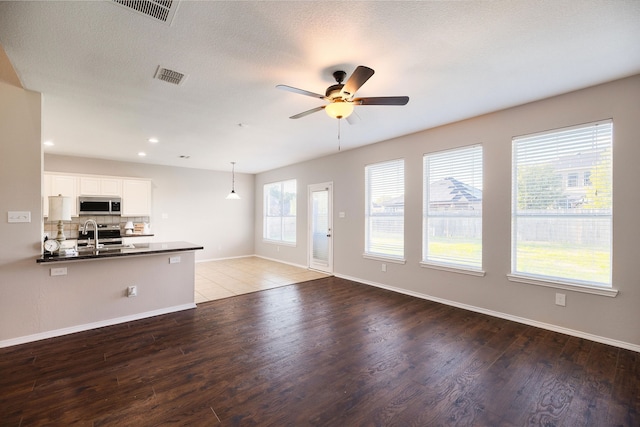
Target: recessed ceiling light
153 140
142 154
48 143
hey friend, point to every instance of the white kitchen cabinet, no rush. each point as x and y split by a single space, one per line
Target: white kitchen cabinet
136 197
55 184
100 186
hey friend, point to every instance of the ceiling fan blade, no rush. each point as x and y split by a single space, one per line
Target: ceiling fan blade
357 79
382 100
300 91
306 113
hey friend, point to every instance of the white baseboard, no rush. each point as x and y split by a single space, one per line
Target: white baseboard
282 262
530 322
257 256
224 258
93 325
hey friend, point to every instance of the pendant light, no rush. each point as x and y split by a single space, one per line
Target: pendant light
233 195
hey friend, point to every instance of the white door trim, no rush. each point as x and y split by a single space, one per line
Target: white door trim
328 268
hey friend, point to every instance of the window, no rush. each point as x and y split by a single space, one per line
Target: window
280 212
452 208
572 180
563 233
384 210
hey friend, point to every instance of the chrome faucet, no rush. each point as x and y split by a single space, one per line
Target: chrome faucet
95 228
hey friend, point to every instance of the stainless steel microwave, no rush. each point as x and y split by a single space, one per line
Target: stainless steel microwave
99 205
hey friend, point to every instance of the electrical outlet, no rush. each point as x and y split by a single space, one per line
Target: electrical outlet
561 299
132 291
174 260
61 271
384 267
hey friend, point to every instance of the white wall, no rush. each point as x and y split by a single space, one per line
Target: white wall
614 320
192 199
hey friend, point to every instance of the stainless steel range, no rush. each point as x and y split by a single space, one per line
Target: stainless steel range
108 234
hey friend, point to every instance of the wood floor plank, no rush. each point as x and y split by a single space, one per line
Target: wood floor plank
326 352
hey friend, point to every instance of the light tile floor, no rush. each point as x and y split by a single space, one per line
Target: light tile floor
227 278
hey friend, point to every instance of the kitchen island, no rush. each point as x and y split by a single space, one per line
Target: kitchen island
92 289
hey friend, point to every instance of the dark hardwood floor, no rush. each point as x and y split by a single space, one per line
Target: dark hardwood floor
328 352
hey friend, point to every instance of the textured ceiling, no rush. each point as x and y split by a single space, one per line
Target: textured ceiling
95 61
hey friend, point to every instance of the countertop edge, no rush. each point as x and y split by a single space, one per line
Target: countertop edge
148 249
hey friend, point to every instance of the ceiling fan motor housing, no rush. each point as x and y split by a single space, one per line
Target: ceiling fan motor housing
333 92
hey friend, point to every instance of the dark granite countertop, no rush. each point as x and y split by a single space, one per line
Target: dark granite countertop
137 249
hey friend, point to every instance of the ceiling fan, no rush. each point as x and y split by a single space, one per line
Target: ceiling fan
340 97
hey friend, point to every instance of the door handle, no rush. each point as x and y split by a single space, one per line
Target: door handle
328 235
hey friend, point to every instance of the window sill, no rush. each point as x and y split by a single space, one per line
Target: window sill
595 290
279 243
456 269
385 259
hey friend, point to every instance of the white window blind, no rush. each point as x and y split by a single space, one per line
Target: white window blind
280 211
452 210
384 210
561 224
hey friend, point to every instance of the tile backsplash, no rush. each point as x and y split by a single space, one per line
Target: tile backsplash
71 228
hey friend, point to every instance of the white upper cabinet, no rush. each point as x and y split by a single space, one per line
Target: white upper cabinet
100 186
135 192
136 197
55 184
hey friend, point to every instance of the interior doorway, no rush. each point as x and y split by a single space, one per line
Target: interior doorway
321 227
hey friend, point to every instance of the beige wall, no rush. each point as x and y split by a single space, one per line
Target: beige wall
613 320
20 166
192 201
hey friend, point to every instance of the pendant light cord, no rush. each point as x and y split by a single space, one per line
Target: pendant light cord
233 176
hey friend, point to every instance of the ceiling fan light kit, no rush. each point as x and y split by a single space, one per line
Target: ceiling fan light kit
339 109
340 97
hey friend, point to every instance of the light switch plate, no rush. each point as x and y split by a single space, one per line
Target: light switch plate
18 216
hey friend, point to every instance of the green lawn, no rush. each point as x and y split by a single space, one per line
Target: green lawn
577 262
571 262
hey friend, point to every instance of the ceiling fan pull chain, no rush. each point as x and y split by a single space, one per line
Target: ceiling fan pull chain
339 134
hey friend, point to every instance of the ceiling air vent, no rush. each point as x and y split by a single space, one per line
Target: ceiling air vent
169 76
161 10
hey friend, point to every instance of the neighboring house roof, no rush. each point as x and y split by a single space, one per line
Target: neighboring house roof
447 191
396 202
586 160
450 191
